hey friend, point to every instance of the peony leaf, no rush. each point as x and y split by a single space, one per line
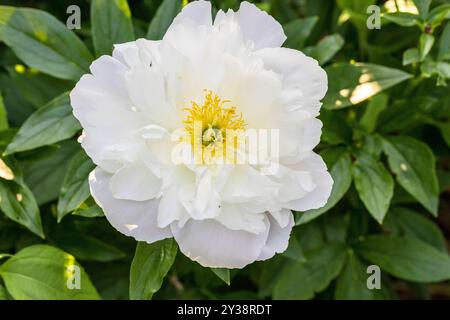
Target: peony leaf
18 204
404 19
85 247
298 31
406 258
150 265
408 223
45 176
43 42
352 282
163 19
423 6
44 272
426 43
52 123
111 24
350 84
413 162
444 44
374 184
223 274
75 188
326 49
3 116
301 280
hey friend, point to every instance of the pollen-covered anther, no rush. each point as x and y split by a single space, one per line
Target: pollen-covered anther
213 128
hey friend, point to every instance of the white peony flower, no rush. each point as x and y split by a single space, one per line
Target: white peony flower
156 178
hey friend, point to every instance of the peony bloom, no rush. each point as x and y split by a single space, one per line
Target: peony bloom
158 120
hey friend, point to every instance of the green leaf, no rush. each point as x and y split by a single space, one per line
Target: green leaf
18 108
163 19
327 48
301 280
45 177
335 226
18 204
43 42
3 116
405 222
403 19
45 273
294 250
223 274
342 177
36 87
439 14
91 212
111 24
356 11
423 6
444 128
444 44
150 265
426 42
85 247
336 128
350 84
49 124
298 31
441 69
352 282
376 105
406 258
374 184
269 275
411 56
413 163
3 293
75 188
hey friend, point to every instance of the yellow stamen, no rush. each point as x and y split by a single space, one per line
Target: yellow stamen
212 129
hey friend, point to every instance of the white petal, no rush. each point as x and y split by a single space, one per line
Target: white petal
278 239
299 136
147 91
245 183
236 217
199 12
253 89
179 190
127 53
170 208
141 52
304 81
212 245
132 218
295 184
318 197
109 70
135 182
282 217
259 27
103 108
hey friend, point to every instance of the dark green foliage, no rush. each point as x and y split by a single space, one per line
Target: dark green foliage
386 142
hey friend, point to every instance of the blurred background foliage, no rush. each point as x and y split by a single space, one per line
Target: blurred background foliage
386 140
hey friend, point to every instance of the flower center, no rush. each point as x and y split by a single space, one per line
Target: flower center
214 129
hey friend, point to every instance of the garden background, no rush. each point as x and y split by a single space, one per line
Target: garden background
386 140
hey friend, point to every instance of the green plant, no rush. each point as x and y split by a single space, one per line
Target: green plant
386 141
